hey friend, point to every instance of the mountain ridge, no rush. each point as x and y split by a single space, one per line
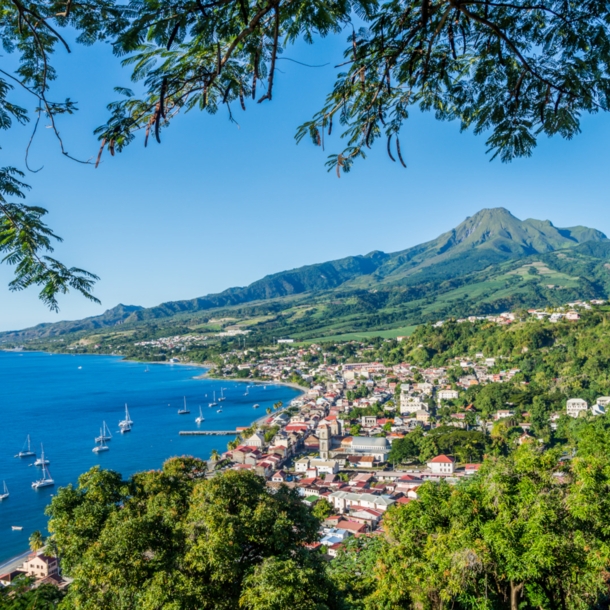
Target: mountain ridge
490 237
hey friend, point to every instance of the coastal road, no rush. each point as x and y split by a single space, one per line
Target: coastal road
13 563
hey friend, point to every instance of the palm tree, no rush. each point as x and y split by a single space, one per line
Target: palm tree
268 409
36 541
214 456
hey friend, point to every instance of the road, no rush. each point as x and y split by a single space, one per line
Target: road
13 563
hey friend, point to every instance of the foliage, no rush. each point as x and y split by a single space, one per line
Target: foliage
20 596
277 584
521 532
465 445
322 509
36 540
26 241
171 538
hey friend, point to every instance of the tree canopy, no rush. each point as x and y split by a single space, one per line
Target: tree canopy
510 70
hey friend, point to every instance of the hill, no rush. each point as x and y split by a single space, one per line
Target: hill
492 261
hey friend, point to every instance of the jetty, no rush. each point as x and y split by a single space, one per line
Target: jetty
208 432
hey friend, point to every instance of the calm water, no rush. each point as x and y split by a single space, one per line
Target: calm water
61 401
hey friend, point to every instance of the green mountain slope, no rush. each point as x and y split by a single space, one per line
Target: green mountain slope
489 262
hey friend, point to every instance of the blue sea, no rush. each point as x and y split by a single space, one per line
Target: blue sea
61 401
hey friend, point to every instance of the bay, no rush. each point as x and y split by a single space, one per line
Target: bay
61 401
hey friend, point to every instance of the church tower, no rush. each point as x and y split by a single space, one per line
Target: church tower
323 436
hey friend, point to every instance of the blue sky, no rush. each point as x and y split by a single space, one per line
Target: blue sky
216 206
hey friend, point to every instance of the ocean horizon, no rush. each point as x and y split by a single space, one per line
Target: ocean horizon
61 400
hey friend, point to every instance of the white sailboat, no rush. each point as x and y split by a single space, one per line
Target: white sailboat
45 479
222 396
201 418
125 424
184 410
101 444
105 434
27 450
42 461
4 495
213 403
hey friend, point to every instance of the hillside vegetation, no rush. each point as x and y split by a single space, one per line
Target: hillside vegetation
491 262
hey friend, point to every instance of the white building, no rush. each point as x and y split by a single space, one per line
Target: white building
441 464
324 466
574 406
447 394
301 465
342 500
410 404
377 446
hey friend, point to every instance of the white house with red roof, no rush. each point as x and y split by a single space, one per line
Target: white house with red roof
442 464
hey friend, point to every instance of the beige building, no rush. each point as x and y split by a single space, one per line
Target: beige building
41 566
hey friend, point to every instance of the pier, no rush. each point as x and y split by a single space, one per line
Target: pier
208 432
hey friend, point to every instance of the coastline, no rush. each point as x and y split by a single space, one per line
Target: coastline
288 384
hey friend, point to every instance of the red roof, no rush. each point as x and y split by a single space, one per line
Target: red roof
442 459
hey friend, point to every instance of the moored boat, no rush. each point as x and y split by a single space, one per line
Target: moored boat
45 479
26 451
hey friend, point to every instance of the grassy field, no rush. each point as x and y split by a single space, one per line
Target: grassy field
386 334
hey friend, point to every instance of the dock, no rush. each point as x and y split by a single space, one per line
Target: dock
208 433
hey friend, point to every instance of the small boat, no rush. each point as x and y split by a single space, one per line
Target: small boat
45 479
219 410
146 370
125 424
17 528
105 435
80 367
27 450
102 444
256 406
4 495
184 410
42 461
222 396
201 418
213 403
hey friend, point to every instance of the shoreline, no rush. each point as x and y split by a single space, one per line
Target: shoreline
12 563
288 384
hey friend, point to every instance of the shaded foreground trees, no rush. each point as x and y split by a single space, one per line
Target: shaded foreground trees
531 530
170 539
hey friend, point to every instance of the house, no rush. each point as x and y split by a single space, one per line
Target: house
343 500
369 421
40 566
410 404
361 461
442 464
301 465
503 413
352 527
447 394
325 466
10 577
281 477
256 440
575 406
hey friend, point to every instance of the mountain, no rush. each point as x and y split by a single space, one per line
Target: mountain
486 247
111 317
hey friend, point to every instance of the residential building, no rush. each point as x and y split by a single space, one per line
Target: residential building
576 406
442 464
